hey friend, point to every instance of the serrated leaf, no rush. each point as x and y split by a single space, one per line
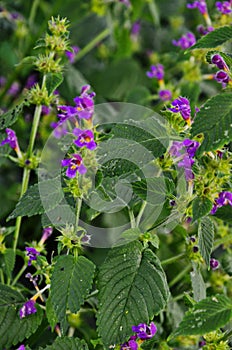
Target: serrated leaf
11 116
213 39
58 216
206 238
13 329
198 284
132 289
201 206
67 343
214 120
9 260
53 80
49 194
206 316
70 283
50 313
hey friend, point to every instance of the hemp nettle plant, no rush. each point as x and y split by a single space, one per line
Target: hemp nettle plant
115 175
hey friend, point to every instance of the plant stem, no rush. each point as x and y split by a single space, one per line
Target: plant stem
33 12
92 44
140 214
19 274
132 218
173 259
78 211
180 275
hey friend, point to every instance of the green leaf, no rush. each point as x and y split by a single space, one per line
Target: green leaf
214 120
132 289
226 262
58 216
206 316
153 190
213 39
198 284
13 329
67 343
11 116
53 80
31 204
139 95
9 259
206 238
201 206
50 313
70 283
224 213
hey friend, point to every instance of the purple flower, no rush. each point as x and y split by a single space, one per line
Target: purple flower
191 147
74 165
32 253
60 129
31 81
135 29
144 331
125 2
222 77
224 198
156 71
185 41
22 347
46 110
187 163
203 31
47 231
181 105
84 138
224 7
200 5
165 95
14 89
130 345
27 309
201 343
219 61
11 139
214 264
72 54
2 81
175 149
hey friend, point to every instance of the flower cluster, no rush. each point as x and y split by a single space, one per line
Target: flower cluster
200 5
143 332
157 71
181 105
221 76
224 198
190 147
225 7
28 308
85 138
185 41
32 253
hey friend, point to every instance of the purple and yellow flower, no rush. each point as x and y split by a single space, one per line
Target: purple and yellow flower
223 198
72 54
185 41
143 331
200 5
214 264
165 95
191 147
84 103
84 138
222 77
74 164
224 7
131 344
156 72
219 62
27 309
32 253
11 140
181 105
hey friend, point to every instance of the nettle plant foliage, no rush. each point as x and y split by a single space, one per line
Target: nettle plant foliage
164 280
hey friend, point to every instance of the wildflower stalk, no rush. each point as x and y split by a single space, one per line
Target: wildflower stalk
33 12
140 214
173 259
19 274
180 275
26 171
92 44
